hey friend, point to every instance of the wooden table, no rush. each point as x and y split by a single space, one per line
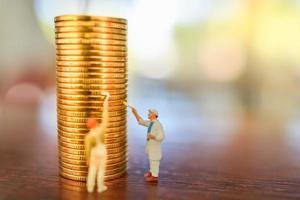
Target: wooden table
200 162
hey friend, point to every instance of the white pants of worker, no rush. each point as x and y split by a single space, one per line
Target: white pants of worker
96 170
154 167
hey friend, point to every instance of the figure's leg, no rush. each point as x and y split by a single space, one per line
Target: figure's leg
91 179
100 175
154 167
148 173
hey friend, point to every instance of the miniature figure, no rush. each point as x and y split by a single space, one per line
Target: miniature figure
155 135
96 150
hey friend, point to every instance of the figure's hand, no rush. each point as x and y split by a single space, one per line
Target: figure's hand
105 93
150 136
133 110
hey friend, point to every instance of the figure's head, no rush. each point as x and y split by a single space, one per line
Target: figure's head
152 114
91 123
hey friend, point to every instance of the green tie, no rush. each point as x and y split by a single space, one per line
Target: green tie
150 127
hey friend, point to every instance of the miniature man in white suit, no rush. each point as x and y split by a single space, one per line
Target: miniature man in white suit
155 136
96 150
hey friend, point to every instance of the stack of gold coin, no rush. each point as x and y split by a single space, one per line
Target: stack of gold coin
91 57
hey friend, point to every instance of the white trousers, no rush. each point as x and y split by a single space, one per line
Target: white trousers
154 167
96 170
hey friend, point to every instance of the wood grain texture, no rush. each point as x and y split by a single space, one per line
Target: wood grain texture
249 163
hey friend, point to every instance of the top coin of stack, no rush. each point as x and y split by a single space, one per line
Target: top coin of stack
91 57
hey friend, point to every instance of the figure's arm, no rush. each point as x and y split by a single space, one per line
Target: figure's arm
137 116
104 122
139 119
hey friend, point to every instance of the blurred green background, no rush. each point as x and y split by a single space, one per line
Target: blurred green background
211 63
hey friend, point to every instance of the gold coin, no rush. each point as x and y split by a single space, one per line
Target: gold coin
85 130
84 167
89 114
90 108
92 86
89 18
100 47
96 29
90 92
91 81
82 146
92 64
86 103
90 75
83 157
91 41
83 177
81 162
89 97
90 23
91 102
108 136
76 140
83 125
90 69
84 119
108 145
91 35
80 139
82 152
91 58
83 170
80 52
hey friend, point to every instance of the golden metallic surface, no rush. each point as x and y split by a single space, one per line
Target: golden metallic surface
82 169
80 52
110 167
91 80
90 69
92 86
91 75
91 64
100 47
79 162
91 23
91 97
81 146
82 152
91 35
87 109
91 41
108 136
75 171
83 125
91 55
89 114
83 177
80 140
89 92
85 130
91 58
95 29
84 119
83 157
89 18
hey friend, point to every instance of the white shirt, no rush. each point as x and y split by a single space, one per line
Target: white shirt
153 146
